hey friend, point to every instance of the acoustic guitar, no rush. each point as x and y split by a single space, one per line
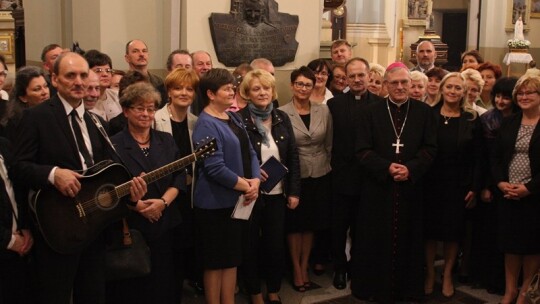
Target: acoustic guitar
70 224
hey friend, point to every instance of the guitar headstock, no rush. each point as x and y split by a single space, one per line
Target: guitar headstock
205 147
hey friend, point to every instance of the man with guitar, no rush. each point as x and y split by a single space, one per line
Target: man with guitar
57 138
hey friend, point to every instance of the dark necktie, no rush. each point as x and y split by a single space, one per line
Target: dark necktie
80 140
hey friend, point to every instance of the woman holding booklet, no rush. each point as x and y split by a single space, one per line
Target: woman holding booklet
232 171
271 135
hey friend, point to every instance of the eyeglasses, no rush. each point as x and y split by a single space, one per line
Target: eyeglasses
528 93
140 110
300 85
101 70
3 73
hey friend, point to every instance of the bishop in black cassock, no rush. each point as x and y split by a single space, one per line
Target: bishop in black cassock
395 145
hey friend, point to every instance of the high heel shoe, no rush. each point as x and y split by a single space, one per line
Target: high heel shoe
299 288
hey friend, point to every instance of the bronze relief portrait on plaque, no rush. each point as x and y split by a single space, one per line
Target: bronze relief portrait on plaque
254 29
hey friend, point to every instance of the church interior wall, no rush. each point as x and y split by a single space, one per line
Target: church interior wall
108 25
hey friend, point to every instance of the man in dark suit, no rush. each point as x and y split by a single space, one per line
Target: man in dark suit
56 138
15 237
345 109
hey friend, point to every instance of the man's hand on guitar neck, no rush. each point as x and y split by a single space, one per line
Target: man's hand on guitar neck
67 182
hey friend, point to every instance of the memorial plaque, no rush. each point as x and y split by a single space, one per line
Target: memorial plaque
254 29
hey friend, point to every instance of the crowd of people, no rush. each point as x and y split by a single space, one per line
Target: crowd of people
382 165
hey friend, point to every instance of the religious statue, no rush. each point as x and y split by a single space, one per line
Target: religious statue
430 22
518 30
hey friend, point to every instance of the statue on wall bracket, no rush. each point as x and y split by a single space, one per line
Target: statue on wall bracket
254 29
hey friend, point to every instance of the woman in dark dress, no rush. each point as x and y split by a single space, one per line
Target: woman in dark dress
143 149
453 179
271 134
516 172
487 261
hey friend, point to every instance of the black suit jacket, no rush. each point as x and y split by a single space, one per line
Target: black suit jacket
345 110
46 140
6 213
163 150
504 151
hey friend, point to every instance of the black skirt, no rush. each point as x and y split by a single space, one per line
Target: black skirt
220 238
313 212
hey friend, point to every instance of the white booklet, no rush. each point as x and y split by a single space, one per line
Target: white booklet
241 211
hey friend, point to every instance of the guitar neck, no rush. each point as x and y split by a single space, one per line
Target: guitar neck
150 177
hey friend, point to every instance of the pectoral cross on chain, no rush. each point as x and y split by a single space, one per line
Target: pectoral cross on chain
397 145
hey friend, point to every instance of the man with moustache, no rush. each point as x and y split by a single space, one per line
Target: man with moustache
137 58
395 145
346 175
58 137
425 56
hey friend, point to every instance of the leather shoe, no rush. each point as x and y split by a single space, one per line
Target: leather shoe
340 280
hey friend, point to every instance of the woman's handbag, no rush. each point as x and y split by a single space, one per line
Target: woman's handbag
128 258
533 291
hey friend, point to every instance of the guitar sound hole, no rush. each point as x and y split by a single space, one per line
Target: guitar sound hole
106 197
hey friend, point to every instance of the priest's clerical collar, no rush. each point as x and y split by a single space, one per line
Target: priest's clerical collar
398 104
361 96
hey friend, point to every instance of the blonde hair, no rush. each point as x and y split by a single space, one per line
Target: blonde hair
375 68
528 81
264 77
463 105
417 75
475 76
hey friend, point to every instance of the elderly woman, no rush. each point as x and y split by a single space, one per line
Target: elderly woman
419 82
271 134
30 90
435 76
376 81
516 172
453 179
312 125
475 84
143 149
339 80
232 171
323 75
471 60
490 73
175 119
